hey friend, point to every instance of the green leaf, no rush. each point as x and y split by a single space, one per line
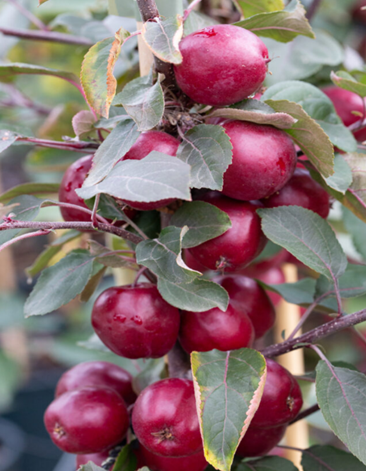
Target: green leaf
35 189
178 285
357 229
108 208
196 21
93 282
309 136
302 57
94 343
112 149
162 38
7 138
83 124
228 388
281 26
46 256
357 163
11 375
156 177
7 71
154 370
97 79
351 284
60 283
325 458
22 208
345 80
143 101
203 220
269 463
341 396
90 467
104 257
318 106
256 112
307 236
250 8
126 460
342 178
208 150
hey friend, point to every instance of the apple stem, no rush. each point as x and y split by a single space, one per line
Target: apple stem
305 413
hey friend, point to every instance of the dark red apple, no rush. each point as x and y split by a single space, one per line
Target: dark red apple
147 142
248 297
345 103
165 418
96 458
264 159
222 64
301 190
204 331
240 244
135 321
88 420
281 400
196 462
273 276
258 442
100 374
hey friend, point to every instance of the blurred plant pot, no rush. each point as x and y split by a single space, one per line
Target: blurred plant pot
12 443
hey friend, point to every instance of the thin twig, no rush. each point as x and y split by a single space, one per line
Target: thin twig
28 14
78 208
336 325
313 9
94 215
22 237
75 146
305 413
190 8
49 36
80 226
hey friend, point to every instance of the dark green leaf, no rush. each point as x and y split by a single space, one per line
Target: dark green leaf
154 370
149 222
143 101
329 458
93 282
228 388
268 463
309 136
307 236
208 150
162 38
342 178
345 80
108 208
115 146
357 229
7 138
351 284
97 79
156 177
60 283
104 257
281 26
126 460
178 285
203 220
36 189
318 106
255 111
341 396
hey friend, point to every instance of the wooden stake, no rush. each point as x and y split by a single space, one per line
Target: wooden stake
146 56
288 316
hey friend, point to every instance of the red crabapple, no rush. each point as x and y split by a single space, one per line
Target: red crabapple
195 462
264 159
258 442
222 64
165 420
135 321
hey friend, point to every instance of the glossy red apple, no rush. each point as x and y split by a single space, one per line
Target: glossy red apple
100 374
240 244
222 64
88 420
301 190
165 418
204 331
345 103
72 180
264 159
147 142
273 276
135 321
248 297
281 400
258 442
195 462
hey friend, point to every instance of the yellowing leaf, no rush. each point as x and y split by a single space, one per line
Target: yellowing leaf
97 79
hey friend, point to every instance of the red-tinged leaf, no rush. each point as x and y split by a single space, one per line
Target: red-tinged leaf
228 388
41 2
97 79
